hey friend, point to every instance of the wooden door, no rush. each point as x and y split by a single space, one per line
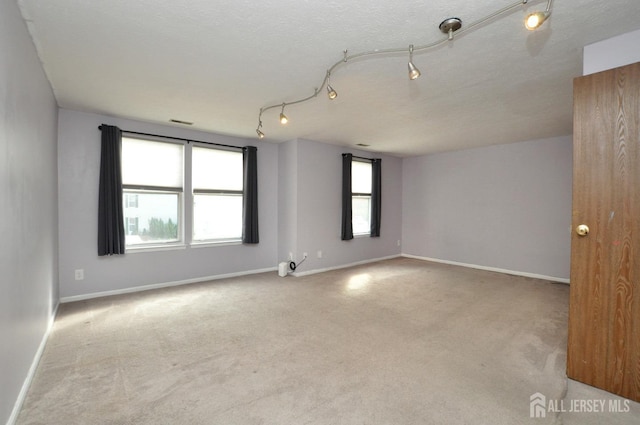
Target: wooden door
604 311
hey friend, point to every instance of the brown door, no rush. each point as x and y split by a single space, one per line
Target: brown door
604 312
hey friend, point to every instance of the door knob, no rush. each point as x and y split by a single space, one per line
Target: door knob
582 230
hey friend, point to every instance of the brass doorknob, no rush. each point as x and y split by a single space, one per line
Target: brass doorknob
582 230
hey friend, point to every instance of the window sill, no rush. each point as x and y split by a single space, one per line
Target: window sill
361 235
152 248
210 244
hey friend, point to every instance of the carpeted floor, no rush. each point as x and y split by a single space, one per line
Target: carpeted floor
396 342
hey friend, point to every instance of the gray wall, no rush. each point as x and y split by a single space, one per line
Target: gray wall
287 199
28 205
612 53
506 206
314 203
79 163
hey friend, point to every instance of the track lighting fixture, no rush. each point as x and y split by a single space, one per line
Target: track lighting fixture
283 117
258 131
413 71
448 26
534 20
330 91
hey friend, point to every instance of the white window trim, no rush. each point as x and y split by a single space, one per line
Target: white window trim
180 191
152 248
202 243
366 233
186 196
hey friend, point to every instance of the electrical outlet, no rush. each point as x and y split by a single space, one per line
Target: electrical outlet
79 274
291 256
304 255
319 253
398 242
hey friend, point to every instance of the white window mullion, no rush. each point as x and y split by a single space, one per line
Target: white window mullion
187 199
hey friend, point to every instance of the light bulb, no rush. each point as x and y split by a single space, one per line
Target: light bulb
283 117
331 92
534 20
413 71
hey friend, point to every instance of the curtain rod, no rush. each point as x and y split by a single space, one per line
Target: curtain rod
361 157
177 138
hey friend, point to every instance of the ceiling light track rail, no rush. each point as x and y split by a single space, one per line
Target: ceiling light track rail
448 26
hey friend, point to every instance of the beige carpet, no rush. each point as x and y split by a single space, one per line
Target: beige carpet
397 342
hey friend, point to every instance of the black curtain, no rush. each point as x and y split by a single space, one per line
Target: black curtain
250 195
347 225
376 200
110 217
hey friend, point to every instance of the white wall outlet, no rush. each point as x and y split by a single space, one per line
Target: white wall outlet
398 242
79 274
291 256
305 255
319 253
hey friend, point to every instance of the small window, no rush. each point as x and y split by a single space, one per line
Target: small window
361 197
152 180
131 201
217 195
132 225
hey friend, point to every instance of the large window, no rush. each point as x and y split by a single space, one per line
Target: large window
157 210
152 180
361 197
217 195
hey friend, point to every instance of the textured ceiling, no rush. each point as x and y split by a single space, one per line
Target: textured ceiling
216 63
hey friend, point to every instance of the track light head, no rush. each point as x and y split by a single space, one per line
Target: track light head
258 131
413 71
534 20
331 92
283 117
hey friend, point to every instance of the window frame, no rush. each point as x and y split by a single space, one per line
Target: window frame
142 189
186 197
222 192
212 241
362 195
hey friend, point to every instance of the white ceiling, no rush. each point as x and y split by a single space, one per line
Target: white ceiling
216 63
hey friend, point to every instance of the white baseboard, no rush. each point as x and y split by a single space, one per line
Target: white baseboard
161 285
491 269
343 266
32 370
